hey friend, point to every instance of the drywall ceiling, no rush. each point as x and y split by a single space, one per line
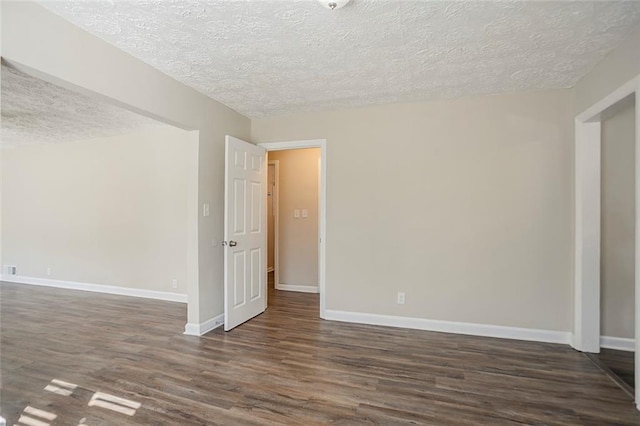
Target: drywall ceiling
35 111
276 57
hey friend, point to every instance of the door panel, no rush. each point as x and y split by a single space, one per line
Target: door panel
245 273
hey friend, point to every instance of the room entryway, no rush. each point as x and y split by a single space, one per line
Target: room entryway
298 224
296 209
607 240
293 187
617 243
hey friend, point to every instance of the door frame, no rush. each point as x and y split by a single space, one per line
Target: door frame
322 206
275 197
587 169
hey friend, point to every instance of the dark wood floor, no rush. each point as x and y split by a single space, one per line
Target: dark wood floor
620 363
72 354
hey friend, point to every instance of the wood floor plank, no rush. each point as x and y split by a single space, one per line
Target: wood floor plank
284 367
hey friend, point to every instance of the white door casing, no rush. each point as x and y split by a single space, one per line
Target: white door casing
245 233
322 206
586 331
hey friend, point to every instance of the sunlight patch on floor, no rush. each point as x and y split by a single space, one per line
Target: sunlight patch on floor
114 403
32 416
60 387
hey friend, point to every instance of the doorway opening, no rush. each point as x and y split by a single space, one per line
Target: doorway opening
296 217
617 251
108 165
589 322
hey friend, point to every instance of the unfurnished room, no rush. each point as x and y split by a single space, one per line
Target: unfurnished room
230 212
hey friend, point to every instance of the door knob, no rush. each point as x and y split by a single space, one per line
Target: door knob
232 243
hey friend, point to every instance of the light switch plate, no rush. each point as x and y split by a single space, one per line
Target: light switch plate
305 213
296 213
205 209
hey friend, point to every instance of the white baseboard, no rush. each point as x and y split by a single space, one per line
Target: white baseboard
300 288
619 343
485 330
193 329
97 288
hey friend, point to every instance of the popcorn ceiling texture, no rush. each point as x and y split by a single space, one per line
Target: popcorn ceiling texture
36 112
265 58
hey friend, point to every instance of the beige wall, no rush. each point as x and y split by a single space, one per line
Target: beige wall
464 205
298 238
47 46
111 211
618 223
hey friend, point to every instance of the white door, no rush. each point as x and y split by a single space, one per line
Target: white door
245 239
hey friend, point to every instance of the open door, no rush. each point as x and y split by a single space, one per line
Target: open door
245 232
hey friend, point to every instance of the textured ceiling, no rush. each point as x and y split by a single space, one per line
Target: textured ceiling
35 112
276 57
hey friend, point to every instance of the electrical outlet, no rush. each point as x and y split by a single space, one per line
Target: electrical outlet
11 269
205 209
48 271
401 298
174 283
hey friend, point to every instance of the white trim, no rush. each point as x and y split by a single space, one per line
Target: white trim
472 329
282 146
593 112
619 343
587 237
587 234
636 363
300 288
204 327
193 218
97 288
322 207
276 221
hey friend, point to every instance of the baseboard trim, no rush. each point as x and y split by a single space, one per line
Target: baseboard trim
619 343
96 288
472 329
300 288
193 329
